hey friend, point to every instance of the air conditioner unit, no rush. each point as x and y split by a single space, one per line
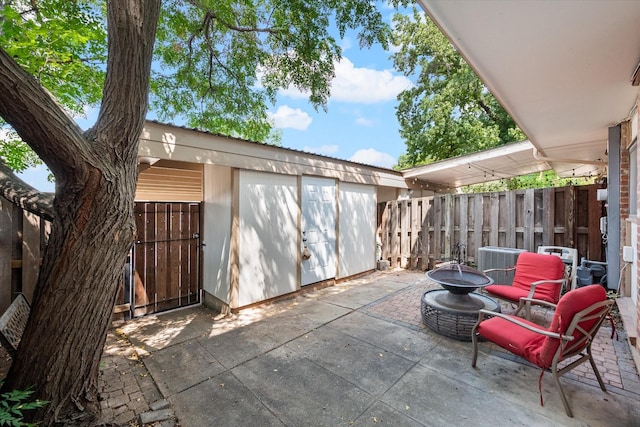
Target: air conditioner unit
497 257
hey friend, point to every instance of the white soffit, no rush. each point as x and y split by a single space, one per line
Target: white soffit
502 162
562 69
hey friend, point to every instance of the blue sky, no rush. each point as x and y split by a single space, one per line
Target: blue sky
360 122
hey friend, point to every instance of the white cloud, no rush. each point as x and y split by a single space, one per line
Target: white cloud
360 85
346 44
371 156
361 121
287 117
323 149
365 85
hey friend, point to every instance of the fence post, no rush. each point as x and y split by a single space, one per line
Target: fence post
529 220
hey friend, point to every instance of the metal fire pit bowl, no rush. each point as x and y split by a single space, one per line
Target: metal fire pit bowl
453 311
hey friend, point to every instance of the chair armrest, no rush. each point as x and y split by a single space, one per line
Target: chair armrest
498 269
532 291
517 321
540 282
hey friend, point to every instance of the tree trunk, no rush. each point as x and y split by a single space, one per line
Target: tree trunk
84 260
92 228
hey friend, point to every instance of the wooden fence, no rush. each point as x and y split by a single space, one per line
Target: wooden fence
416 233
23 237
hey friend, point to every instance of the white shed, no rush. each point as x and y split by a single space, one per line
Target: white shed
261 206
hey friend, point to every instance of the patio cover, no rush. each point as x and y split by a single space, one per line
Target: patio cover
562 69
489 165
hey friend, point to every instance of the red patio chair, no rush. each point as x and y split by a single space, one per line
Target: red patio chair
575 322
538 279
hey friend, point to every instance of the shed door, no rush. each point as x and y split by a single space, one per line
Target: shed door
318 229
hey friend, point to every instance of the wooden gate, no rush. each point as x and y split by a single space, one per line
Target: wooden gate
165 268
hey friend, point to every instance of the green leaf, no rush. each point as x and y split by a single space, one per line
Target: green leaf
449 112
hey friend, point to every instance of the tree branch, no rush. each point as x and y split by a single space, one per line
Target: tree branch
131 36
39 120
23 195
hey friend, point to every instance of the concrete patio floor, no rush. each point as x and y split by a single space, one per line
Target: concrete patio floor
355 354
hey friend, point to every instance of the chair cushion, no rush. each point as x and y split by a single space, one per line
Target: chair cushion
510 293
532 267
514 338
571 303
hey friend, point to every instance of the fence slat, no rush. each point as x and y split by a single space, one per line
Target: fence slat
6 235
548 215
437 227
529 220
424 234
510 220
463 232
405 229
494 216
395 237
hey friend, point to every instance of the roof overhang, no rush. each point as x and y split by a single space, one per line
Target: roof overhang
502 162
562 69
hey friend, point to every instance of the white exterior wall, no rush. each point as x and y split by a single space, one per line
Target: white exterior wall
218 187
357 229
268 236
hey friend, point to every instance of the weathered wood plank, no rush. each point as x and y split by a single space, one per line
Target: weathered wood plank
492 221
437 227
529 220
386 231
448 226
405 228
424 234
548 217
478 210
194 254
463 230
6 237
570 217
395 237
510 219
415 232
594 251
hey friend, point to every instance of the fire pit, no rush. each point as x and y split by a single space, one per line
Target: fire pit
453 311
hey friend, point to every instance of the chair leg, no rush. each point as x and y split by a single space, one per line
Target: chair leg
474 340
556 377
595 369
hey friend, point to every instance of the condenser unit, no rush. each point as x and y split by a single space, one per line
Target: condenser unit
497 257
